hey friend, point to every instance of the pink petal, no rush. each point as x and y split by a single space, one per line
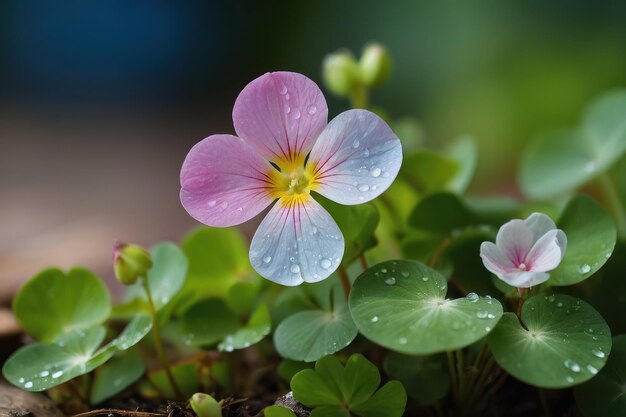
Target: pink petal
280 115
539 224
494 260
356 157
515 239
525 279
297 243
224 182
547 253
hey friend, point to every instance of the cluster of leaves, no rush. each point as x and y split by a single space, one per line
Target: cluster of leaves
419 316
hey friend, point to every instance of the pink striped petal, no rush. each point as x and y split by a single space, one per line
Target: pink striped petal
539 224
494 260
547 253
525 279
224 182
297 243
515 239
280 115
356 157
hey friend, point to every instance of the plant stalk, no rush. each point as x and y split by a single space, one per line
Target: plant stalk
615 206
157 341
345 281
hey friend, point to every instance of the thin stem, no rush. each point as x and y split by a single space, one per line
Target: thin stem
436 256
157 341
345 281
76 391
482 379
520 304
359 97
363 262
612 199
460 372
453 377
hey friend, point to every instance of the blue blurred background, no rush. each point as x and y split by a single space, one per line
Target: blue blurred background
101 100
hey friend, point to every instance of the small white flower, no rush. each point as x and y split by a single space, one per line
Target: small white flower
525 251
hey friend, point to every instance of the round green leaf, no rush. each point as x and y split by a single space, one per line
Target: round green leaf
53 303
186 376
41 366
168 273
389 401
428 214
134 331
560 161
116 376
401 305
605 395
591 238
253 332
215 252
465 152
567 342
429 171
277 411
310 335
207 323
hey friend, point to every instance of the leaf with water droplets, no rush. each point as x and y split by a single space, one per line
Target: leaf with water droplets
417 317
604 394
116 376
567 342
253 332
53 303
310 335
560 161
205 323
590 235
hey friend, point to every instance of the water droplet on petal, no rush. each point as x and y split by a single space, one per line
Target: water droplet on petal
473 297
356 143
287 109
224 204
283 89
325 263
385 174
312 110
267 259
211 203
375 172
240 209
390 281
296 114
295 269
363 187
366 153
584 268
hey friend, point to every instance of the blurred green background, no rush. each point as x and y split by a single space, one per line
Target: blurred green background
101 100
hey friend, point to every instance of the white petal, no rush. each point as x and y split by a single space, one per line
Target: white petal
515 239
494 260
356 157
525 279
546 254
297 243
539 224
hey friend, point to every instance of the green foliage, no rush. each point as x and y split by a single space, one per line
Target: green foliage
567 342
561 161
401 305
53 303
590 241
115 376
423 377
253 332
604 394
185 375
277 411
207 323
311 334
333 389
205 406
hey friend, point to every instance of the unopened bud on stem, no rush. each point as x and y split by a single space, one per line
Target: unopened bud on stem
130 262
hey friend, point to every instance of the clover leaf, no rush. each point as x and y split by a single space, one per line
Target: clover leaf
336 390
115 376
253 332
423 377
401 305
53 303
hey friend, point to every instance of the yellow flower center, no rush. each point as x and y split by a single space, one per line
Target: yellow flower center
293 183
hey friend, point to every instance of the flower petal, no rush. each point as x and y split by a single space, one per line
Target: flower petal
525 279
297 242
280 114
494 260
547 253
515 239
539 224
356 157
224 182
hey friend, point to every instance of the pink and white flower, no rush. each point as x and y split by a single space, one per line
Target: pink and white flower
525 251
281 122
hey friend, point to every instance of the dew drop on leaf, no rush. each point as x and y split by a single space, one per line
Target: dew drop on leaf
390 281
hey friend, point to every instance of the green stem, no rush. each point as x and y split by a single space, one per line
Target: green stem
359 97
345 281
460 372
482 379
453 377
157 342
611 197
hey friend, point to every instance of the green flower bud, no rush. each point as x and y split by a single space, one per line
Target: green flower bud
130 262
205 406
341 73
375 65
